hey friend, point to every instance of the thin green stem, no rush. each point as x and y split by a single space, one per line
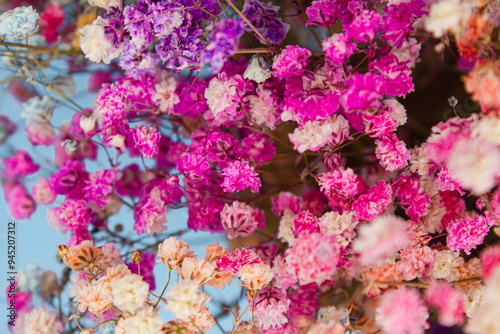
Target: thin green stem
165 288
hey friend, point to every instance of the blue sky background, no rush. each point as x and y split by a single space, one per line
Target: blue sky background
37 241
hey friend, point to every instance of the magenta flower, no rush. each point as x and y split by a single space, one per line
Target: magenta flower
239 175
146 140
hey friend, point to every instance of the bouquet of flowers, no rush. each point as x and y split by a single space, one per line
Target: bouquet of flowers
320 142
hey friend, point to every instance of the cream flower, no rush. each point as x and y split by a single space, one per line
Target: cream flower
130 293
95 45
184 300
144 321
446 265
448 16
285 233
106 3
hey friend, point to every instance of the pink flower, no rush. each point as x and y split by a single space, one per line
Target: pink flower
412 197
402 312
282 277
372 201
286 200
71 215
416 262
313 135
41 134
195 168
449 301
291 61
232 262
270 307
19 164
446 181
342 182
379 125
313 258
77 237
490 260
241 220
97 79
239 175
50 20
43 192
338 48
150 215
467 233
392 153
100 185
381 238
305 222
69 179
21 205
364 26
146 140
223 97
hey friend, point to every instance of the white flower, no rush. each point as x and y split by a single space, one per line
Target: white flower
341 225
474 162
19 23
37 110
257 70
221 95
184 298
448 16
314 135
95 45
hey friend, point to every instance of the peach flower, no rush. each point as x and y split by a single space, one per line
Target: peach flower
255 276
199 270
173 252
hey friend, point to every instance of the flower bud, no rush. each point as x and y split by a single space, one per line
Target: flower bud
136 257
63 250
87 124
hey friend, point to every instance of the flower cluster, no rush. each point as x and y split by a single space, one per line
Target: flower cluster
303 136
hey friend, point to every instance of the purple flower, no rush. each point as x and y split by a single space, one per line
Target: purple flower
264 17
224 39
138 24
